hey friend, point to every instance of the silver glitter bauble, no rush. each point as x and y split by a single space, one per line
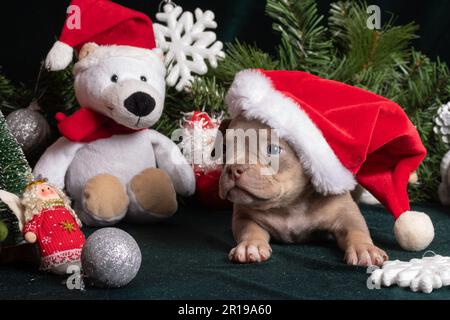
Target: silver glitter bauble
442 123
111 258
30 128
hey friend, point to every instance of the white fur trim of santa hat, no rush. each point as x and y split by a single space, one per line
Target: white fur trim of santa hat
414 231
153 56
59 56
253 96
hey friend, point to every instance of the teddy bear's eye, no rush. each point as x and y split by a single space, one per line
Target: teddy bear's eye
144 78
115 78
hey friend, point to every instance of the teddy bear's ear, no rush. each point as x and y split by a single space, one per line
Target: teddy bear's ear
87 49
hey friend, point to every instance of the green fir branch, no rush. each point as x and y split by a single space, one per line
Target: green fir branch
377 51
240 56
305 44
8 94
55 93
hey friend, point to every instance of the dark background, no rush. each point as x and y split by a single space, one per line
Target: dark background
29 28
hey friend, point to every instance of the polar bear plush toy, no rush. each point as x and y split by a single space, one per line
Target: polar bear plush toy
107 159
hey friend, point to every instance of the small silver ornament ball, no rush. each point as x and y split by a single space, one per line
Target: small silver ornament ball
111 258
30 128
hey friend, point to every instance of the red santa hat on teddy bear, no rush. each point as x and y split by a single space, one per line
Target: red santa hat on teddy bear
104 23
342 134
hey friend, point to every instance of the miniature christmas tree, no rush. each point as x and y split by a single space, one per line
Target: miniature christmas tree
15 174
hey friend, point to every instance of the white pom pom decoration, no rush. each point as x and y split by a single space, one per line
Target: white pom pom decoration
414 231
59 57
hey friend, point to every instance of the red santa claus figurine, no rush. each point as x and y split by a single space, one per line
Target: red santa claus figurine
50 222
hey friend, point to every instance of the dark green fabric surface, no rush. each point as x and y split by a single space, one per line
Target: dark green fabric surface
185 258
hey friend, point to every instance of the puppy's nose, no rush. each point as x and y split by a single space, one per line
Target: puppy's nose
236 171
140 104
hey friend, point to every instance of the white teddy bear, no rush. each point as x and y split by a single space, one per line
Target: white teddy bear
108 160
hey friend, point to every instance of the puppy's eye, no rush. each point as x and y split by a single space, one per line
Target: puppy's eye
114 78
273 150
144 78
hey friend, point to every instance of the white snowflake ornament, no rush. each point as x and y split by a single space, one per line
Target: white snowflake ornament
423 275
442 123
186 44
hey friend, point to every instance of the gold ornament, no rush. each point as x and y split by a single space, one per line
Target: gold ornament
68 226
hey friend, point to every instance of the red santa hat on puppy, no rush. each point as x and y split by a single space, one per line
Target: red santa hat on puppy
104 23
342 134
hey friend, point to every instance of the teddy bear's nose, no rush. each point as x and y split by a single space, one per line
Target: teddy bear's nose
140 104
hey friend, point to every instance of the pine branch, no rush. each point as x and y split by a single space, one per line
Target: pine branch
55 93
305 44
8 93
428 172
205 94
337 21
368 51
426 86
425 83
241 56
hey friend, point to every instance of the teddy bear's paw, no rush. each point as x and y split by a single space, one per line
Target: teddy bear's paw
153 190
105 198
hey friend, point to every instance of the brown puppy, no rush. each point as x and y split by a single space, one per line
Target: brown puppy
284 205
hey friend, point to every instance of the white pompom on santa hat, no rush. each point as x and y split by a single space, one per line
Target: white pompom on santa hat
105 23
342 135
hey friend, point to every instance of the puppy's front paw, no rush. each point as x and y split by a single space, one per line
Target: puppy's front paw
251 251
365 255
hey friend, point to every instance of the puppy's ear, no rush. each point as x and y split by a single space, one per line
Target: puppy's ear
86 50
219 143
224 126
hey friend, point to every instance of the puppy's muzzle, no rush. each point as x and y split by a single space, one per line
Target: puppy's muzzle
140 104
234 172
